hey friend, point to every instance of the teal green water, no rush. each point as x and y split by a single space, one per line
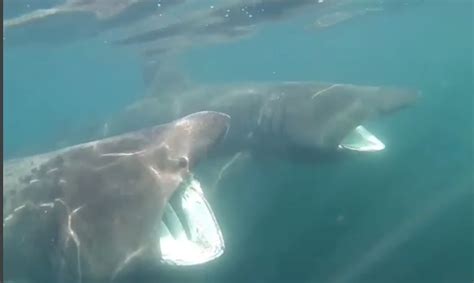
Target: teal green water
403 215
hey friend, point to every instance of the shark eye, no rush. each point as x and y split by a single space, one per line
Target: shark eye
183 162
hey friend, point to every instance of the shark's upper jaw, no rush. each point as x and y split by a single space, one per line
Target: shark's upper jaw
360 139
189 232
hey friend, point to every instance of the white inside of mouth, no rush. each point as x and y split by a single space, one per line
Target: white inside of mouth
360 139
189 232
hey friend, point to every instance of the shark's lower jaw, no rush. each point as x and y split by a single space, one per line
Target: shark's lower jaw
360 139
189 232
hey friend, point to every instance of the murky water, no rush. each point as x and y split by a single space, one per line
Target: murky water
89 69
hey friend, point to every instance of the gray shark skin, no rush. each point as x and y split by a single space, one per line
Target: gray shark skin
102 210
285 118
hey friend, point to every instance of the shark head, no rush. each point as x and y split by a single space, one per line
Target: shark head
126 203
332 117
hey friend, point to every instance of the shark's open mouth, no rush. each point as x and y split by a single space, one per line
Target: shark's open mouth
360 139
189 232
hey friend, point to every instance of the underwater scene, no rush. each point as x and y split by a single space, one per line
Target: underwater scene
229 141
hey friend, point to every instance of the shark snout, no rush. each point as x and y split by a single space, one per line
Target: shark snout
203 130
216 124
394 99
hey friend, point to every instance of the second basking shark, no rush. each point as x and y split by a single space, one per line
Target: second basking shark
292 119
112 208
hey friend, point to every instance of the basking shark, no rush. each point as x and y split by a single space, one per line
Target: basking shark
292 119
102 210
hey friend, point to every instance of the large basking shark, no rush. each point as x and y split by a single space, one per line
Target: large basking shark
292 119
101 211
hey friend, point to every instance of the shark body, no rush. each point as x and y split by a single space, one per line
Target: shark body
111 208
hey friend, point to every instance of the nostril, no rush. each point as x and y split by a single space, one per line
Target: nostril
183 162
